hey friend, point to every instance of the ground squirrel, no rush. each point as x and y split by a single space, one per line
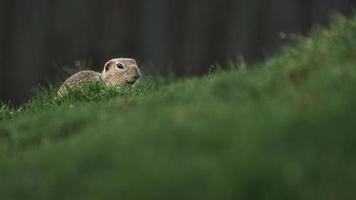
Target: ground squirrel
117 71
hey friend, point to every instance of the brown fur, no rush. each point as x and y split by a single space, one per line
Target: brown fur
111 75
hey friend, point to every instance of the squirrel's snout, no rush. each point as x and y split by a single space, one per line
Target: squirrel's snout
133 79
137 76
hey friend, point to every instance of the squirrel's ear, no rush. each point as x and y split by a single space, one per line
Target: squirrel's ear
107 66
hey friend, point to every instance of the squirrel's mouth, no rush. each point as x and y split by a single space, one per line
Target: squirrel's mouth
133 80
130 82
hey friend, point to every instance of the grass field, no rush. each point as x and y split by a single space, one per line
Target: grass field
283 129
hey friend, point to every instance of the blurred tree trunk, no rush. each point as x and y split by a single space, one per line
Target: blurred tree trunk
162 25
279 22
72 33
113 24
305 9
322 9
197 38
2 26
350 4
155 26
243 28
25 48
7 8
222 33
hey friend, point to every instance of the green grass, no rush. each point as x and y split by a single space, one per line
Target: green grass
283 130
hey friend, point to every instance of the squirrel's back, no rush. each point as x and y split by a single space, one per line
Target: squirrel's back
79 79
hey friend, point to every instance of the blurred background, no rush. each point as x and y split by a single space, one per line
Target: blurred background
42 40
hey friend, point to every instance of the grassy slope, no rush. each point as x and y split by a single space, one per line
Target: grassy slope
284 130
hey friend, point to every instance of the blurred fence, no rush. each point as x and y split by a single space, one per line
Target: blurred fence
185 36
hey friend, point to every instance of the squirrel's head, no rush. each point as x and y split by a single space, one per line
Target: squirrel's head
121 71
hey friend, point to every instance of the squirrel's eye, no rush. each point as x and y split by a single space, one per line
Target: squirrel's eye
120 66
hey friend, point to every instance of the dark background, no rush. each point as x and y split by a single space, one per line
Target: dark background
38 37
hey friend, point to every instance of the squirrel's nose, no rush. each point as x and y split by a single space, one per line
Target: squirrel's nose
137 76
